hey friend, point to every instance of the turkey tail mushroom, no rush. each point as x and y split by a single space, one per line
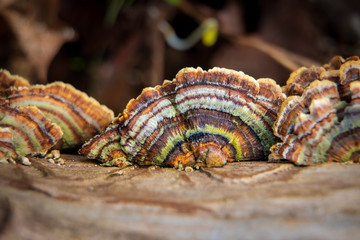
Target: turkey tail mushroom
201 118
79 116
323 124
25 130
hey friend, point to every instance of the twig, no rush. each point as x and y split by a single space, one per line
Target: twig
286 58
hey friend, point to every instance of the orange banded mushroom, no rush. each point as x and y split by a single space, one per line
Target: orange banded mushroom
79 116
319 127
25 130
339 70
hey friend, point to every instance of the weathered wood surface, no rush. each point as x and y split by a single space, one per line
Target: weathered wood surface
249 200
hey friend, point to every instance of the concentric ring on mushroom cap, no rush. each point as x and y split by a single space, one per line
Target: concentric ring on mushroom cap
199 118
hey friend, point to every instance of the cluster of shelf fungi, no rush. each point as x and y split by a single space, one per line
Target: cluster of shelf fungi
200 118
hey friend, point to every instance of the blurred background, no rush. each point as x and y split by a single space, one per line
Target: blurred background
113 49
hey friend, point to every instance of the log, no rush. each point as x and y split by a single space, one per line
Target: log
243 200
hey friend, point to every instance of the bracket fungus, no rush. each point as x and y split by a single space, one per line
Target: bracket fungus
201 118
79 116
36 118
25 130
322 125
339 70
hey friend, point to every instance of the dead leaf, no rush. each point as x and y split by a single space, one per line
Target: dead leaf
40 39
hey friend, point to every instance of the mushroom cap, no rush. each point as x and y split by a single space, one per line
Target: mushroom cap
301 78
79 116
31 131
339 70
326 129
201 118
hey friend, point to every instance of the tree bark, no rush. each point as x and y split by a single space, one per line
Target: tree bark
244 200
